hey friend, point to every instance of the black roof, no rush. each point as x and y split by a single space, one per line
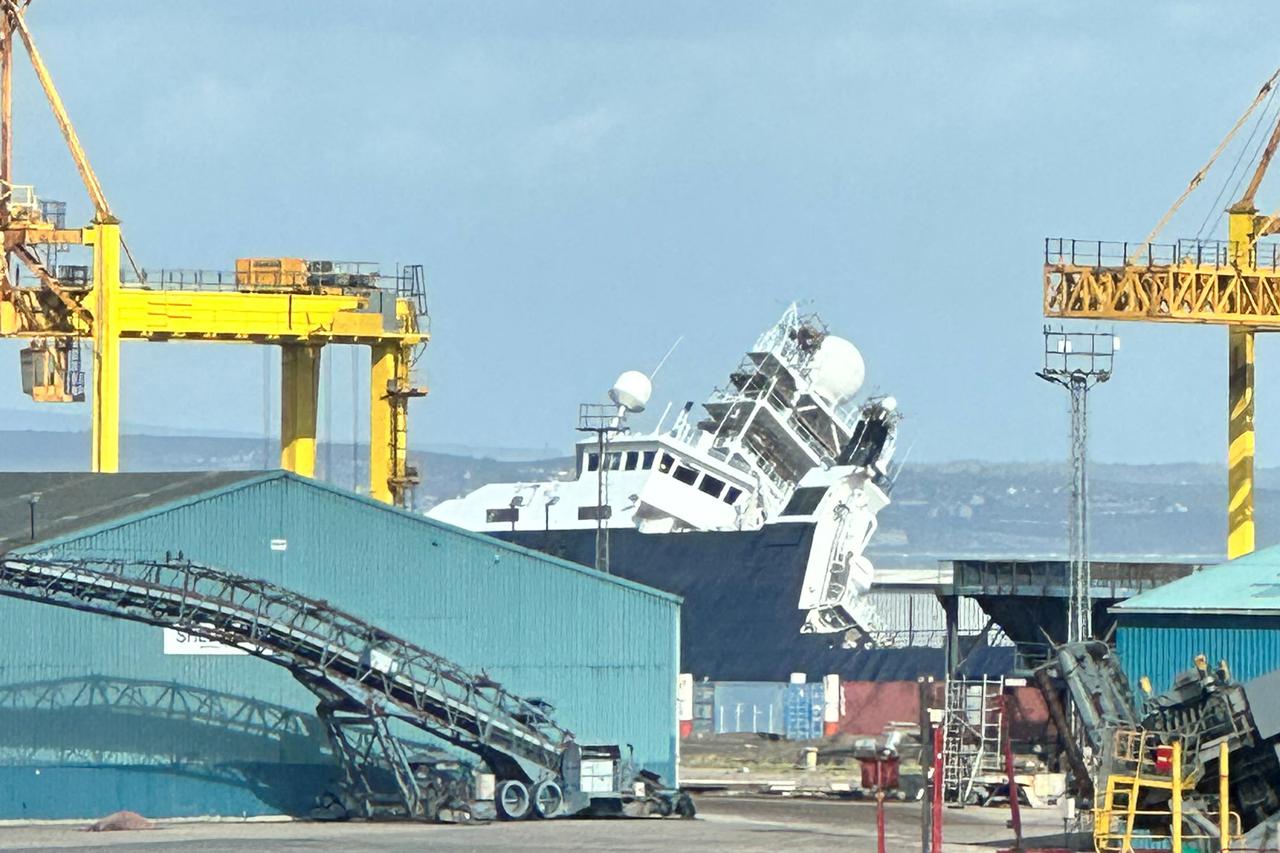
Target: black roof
68 502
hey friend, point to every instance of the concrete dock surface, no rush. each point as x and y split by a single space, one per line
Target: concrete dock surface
747 824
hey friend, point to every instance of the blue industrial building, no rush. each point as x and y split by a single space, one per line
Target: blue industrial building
1230 611
99 714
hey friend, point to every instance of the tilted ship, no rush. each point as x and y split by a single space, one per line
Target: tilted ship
759 514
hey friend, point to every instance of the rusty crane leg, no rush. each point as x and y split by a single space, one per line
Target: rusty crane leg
391 478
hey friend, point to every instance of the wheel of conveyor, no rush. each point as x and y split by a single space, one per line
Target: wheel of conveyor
548 799
511 798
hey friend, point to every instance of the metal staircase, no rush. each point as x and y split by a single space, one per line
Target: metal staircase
363 676
971 736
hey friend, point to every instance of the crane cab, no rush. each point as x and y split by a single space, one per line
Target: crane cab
51 372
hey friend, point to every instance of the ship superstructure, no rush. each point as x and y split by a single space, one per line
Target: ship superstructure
783 441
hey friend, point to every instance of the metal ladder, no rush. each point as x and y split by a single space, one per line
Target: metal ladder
411 284
971 735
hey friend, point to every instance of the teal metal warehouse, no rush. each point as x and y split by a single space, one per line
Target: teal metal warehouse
98 714
1230 611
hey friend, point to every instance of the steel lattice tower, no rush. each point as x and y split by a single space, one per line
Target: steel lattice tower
1078 361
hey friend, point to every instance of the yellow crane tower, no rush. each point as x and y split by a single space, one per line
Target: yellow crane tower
1233 282
299 305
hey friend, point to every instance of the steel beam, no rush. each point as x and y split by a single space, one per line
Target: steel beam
1240 442
105 453
299 397
382 462
391 479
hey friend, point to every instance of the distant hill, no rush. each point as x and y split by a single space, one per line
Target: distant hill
938 510
446 475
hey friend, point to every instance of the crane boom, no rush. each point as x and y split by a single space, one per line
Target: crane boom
315 304
87 175
1233 282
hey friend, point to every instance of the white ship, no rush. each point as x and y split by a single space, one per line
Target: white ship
786 441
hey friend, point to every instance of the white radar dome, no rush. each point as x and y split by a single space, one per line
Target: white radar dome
837 370
631 391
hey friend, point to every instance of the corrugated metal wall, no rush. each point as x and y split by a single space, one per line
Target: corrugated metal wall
604 652
1162 646
918 620
868 707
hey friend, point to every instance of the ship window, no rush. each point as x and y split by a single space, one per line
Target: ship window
711 485
615 461
732 494
648 459
667 461
593 461
686 475
633 459
805 501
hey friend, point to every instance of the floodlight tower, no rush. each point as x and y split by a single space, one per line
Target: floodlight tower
1078 361
629 395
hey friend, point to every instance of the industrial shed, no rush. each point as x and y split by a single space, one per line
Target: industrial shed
1229 611
99 714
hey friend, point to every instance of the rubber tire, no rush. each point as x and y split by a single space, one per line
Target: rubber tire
548 799
511 799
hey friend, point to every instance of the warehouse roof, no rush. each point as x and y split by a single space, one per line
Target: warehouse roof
74 504
1249 585
65 502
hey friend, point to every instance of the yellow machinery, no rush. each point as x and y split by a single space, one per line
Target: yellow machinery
1142 765
1233 282
297 305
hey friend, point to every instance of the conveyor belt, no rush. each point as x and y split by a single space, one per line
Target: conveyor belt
353 666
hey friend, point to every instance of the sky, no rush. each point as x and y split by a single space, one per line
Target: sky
585 183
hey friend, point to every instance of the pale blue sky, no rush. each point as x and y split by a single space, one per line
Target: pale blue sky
585 182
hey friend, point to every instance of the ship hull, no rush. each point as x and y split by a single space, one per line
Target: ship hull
740 619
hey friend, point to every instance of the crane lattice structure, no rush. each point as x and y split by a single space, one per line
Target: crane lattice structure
300 306
1233 282
363 676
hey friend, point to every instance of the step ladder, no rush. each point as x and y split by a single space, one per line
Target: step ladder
971 739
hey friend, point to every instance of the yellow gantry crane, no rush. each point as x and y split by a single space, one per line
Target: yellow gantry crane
296 304
1233 282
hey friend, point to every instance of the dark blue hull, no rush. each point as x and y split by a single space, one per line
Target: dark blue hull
739 620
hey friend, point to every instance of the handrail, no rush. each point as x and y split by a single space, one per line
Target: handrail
1202 254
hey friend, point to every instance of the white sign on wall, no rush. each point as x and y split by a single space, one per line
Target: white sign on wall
181 643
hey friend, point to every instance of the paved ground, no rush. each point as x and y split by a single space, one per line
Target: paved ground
749 825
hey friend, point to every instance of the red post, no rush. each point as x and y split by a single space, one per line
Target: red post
1015 808
880 821
937 790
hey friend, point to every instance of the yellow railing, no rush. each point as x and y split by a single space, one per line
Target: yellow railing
1123 842
1137 767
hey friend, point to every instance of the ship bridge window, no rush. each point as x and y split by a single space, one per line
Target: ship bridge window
805 501
615 461
667 461
593 461
686 475
649 456
731 495
633 459
711 485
